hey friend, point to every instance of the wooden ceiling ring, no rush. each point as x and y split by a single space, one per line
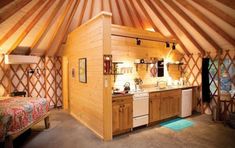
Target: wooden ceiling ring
163 20
13 9
46 26
202 17
219 13
82 13
22 20
181 27
195 25
59 25
31 25
119 12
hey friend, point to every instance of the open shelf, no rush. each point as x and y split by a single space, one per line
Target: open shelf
137 65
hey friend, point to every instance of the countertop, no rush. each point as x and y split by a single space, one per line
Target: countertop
154 89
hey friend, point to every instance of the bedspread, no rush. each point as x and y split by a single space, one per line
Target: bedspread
19 112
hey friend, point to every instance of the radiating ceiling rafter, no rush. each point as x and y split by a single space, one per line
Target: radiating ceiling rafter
31 25
22 20
11 10
82 12
159 15
194 25
119 12
45 27
229 3
137 14
58 25
65 33
219 13
207 21
181 27
111 10
92 8
129 14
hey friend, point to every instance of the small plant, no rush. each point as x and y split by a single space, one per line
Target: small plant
138 81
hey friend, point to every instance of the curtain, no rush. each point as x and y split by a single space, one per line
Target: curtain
206 97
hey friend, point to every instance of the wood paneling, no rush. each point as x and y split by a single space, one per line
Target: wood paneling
91 102
124 49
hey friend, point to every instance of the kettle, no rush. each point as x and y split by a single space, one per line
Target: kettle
127 87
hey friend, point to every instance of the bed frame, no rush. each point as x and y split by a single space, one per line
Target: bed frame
9 138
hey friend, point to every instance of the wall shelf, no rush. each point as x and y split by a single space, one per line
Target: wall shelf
147 65
115 72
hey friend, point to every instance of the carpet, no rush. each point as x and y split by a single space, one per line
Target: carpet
177 124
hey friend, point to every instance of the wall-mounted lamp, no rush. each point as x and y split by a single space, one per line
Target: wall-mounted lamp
173 46
138 41
167 44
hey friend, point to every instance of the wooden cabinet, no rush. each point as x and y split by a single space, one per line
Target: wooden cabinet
122 114
169 103
154 107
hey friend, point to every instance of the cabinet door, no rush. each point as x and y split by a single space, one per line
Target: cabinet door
169 104
127 116
154 107
116 118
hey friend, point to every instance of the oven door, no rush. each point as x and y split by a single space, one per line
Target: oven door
140 106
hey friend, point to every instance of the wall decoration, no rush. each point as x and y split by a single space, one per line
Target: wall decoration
107 59
82 70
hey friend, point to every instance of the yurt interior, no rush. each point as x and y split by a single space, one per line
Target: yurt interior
117 73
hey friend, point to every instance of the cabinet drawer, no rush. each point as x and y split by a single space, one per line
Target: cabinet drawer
171 93
122 100
154 95
137 121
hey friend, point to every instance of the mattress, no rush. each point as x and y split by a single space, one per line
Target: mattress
19 112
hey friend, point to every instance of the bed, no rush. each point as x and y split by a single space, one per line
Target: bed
18 114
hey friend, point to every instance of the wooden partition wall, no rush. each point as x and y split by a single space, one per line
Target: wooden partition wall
46 81
192 70
90 102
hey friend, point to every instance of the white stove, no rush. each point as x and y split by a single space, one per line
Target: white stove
140 108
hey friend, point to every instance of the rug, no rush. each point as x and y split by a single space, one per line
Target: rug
177 124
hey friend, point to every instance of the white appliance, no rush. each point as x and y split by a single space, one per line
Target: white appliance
140 109
186 103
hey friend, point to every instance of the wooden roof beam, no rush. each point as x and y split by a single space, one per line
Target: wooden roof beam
92 7
12 9
102 5
200 15
64 35
22 20
111 10
194 25
163 20
58 25
219 13
229 3
129 14
82 13
119 12
45 27
179 25
137 14
31 25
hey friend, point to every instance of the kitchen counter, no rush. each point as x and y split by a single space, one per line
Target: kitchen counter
154 89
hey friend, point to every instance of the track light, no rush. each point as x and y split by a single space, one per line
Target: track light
167 44
173 46
138 41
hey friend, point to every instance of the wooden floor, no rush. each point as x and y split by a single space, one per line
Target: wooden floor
66 132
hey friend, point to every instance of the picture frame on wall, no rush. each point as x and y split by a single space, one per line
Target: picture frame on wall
82 70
